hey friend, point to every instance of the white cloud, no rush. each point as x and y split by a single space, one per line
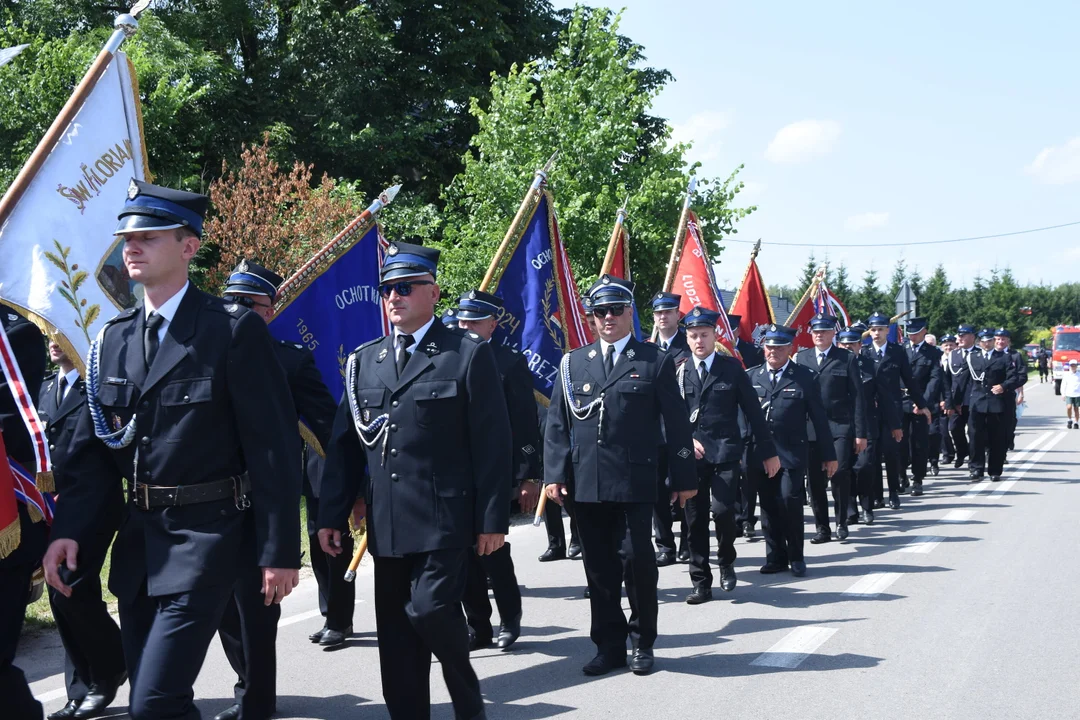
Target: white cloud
866 221
703 130
1058 164
803 140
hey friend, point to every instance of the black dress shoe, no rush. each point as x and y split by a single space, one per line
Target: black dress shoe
878 504
317 635
509 632
894 501
603 664
771 568
958 463
663 559
995 478
916 488
98 699
748 530
934 469
574 551
641 663
699 595
333 638
68 711
798 568
683 556
866 517
728 578
822 536
552 554
841 532
230 713
478 643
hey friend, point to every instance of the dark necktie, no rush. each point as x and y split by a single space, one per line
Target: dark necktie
775 376
820 359
150 339
405 342
609 360
702 372
663 345
60 387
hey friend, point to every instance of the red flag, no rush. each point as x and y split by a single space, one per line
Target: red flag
799 320
578 333
752 303
694 280
9 509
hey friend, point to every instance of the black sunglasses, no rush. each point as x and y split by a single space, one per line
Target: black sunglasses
245 300
616 310
403 288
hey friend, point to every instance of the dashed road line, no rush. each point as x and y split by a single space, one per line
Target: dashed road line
922 544
795 647
872 584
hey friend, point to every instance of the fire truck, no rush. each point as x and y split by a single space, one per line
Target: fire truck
1066 347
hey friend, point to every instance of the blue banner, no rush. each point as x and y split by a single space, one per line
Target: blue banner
533 300
337 311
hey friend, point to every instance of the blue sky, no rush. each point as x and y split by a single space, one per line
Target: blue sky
881 122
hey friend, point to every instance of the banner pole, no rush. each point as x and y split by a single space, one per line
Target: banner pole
609 256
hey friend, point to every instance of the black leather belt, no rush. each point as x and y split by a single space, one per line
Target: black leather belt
236 487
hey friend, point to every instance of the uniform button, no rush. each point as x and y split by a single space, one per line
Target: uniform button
394 477
599 442
52 447
393 452
393 427
144 404
434 394
394 404
187 398
145 440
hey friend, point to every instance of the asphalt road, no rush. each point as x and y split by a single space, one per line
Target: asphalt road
962 604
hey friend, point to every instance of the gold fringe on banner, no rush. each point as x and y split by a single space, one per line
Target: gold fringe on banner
34 513
9 538
45 482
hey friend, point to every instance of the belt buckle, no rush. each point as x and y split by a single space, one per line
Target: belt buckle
241 500
142 500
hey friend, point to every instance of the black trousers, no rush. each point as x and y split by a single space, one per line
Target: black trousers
781 513
554 525
418 614
958 429
867 470
841 482
248 635
15 573
746 502
337 598
616 544
916 445
165 642
498 566
93 651
991 439
947 446
718 486
665 512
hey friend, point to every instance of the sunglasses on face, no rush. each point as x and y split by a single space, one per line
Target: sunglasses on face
602 312
403 288
247 301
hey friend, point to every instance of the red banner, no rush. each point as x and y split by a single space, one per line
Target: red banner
752 304
9 509
578 333
694 280
800 323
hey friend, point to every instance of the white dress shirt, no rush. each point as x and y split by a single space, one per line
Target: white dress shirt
619 345
417 336
166 311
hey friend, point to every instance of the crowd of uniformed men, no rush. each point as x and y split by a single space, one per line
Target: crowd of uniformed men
182 441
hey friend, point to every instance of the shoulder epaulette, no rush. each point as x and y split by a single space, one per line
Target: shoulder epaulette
293 345
125 315
368 344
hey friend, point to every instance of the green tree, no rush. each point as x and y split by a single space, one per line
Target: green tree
900 274
809 270
869 298
584 102
840 285
936 303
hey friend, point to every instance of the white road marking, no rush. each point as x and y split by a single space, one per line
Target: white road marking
922 544
975 491
52 695
301 617
958 516
795 647
873 584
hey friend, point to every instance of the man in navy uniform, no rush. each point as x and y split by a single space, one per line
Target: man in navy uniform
789 395
614 409
957 386
881 416
838 378
892 366
478 312
18 564
993 378
672 339
423 437
183 403
946 449
716 390
925 360
248 629
751 354
93 653
1003 343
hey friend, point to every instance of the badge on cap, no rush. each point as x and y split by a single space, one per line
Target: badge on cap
659 296
133 189
697 312
472 294
392 250
772 328
243 266
606 280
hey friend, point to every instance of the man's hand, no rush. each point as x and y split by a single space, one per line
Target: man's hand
682 496
772 466
359 511
997 389
487 543
555 492
528 495
60 551
925 412
860 444
898 435
277 583
699 449
330 541
830 467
